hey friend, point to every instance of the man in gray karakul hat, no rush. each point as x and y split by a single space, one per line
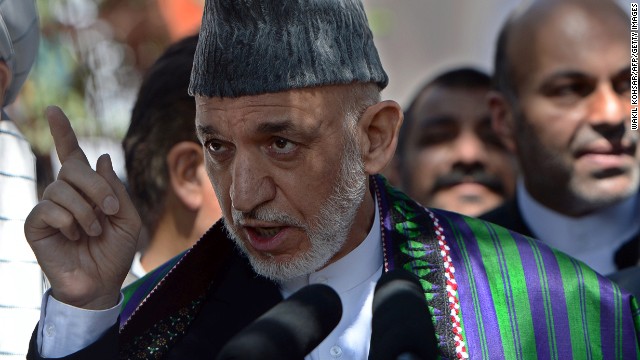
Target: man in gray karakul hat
289 113
21 280
294 132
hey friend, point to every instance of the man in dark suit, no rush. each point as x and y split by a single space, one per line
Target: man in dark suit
562 74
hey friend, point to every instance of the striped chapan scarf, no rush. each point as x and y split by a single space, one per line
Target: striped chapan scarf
496 294
492 293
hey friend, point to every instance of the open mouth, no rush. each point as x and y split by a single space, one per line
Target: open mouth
267 232
266 239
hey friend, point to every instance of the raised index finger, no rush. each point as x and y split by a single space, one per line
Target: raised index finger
64 138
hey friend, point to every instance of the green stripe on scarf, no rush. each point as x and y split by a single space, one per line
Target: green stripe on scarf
617 298
505 274
584 317
592 309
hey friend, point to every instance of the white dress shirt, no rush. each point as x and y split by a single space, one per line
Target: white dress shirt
21 281
66 329
354 278
136 266
592 238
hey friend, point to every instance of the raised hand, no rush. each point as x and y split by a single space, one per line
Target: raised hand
85 230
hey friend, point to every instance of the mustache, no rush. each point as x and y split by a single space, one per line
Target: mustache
459 175
265 214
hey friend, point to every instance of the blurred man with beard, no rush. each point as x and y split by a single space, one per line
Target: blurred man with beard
294 133
449 156
563 104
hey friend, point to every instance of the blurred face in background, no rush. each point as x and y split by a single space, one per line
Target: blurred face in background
452 158
572 117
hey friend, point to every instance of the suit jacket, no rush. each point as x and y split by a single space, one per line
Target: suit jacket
492 293
626 257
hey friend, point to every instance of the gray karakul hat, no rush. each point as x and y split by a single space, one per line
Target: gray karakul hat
19 38
251 47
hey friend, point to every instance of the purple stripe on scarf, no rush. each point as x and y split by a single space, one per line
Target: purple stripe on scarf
608 328
608 323
491 331
537 299
558 302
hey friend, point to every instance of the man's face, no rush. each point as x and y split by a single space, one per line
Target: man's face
453 158
288 175
572 121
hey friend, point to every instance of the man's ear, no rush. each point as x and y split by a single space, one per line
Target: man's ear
5 80
183 161
502 119
379 129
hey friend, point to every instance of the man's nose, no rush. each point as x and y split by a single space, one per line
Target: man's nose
607 107
469 148
252 185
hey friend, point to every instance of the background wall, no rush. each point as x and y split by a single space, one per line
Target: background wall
418 39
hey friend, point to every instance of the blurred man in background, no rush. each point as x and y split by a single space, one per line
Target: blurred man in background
563 104
449 156
21 281
165 162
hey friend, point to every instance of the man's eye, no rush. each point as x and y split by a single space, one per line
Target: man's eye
436 135
622 87
214 146
578 89
282 146
218 149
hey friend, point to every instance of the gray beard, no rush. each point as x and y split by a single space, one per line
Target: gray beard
327 233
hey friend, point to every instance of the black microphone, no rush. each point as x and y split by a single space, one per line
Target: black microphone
401 326
289 330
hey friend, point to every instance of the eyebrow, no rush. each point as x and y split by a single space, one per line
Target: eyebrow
205 130
623 72
285 126
276 127
565 74
573 74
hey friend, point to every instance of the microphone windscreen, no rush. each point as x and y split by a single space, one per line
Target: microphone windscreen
401 324
289 330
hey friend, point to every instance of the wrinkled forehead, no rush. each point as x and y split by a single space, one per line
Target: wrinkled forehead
307 99
304 108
